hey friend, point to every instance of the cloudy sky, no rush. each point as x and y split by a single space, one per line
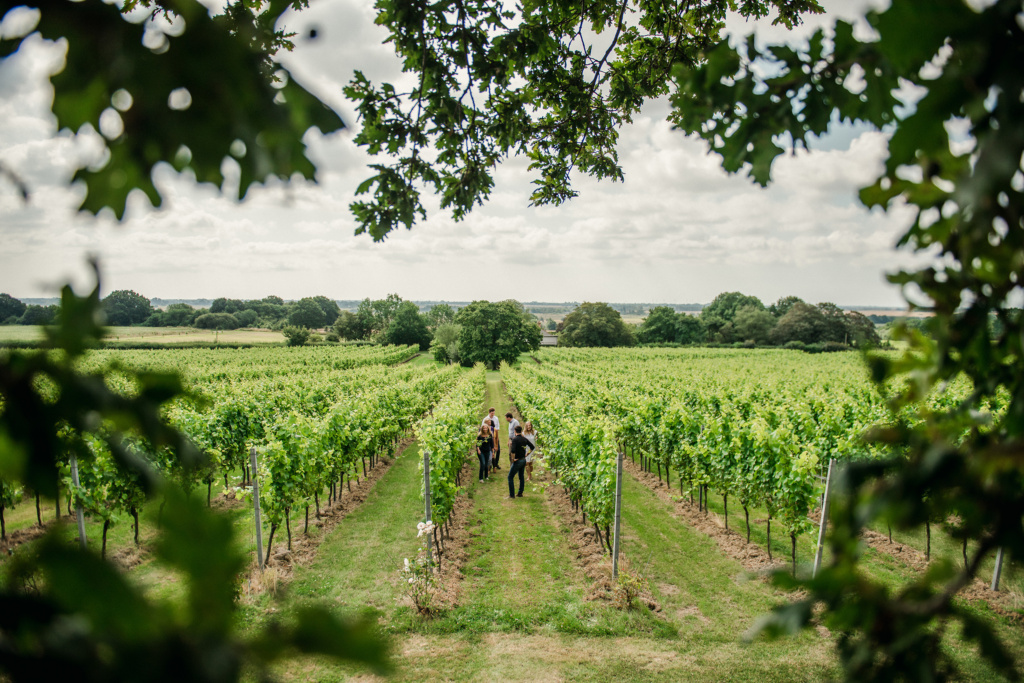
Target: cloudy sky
678 230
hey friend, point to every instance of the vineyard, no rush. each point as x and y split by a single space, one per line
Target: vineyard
759 427
743 438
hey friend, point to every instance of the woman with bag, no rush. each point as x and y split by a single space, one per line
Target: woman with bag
484 442
531 436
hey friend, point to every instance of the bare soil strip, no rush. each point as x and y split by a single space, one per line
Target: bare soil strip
1002 602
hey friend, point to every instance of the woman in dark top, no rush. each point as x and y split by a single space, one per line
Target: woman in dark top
484 442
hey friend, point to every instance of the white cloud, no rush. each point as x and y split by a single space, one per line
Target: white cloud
678 229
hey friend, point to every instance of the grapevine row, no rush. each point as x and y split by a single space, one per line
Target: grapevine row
449 435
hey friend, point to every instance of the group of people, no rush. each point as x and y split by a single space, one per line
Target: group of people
522 442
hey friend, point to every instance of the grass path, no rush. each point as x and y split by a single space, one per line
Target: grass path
520 572
357 565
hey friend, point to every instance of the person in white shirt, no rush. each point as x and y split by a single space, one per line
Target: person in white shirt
512 424
495 424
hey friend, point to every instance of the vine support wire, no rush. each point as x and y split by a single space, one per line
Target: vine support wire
78 504
998 570
824 519
426 498
618 515
256 508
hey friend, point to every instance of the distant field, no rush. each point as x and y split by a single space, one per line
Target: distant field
166 335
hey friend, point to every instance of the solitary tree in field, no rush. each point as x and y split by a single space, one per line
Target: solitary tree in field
125 307
307 313
495 332
595 324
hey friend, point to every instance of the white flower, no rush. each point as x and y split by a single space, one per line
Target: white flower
412 579
407 564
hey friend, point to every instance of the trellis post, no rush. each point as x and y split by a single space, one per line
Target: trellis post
998 570
426 498
824 519
618 515
78 504
256 507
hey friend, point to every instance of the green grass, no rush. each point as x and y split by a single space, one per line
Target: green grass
357 565
893 572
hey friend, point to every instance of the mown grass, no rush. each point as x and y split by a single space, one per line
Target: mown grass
893 572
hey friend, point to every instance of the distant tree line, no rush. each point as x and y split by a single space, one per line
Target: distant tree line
16 312
125 308
490 332
731 319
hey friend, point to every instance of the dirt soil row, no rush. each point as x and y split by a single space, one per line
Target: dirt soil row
591 556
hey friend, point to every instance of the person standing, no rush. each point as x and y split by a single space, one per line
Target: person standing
517 453
495 424
484 444
530 435
512 424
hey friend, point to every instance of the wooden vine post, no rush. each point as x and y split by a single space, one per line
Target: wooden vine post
824 519
256 508
78 504
426 498
618 515
998 570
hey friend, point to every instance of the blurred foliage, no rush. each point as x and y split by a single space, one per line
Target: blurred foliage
175 85
64 611
943 79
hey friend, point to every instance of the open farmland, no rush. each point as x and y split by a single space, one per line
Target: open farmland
155 335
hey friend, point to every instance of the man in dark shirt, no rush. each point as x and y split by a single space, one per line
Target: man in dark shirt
517 452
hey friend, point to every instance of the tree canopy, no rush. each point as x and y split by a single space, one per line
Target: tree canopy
661 326
718 316
440 314
307 313
126 307
553 81
408 327
595 324
329 307
10 307
495 332
167 107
